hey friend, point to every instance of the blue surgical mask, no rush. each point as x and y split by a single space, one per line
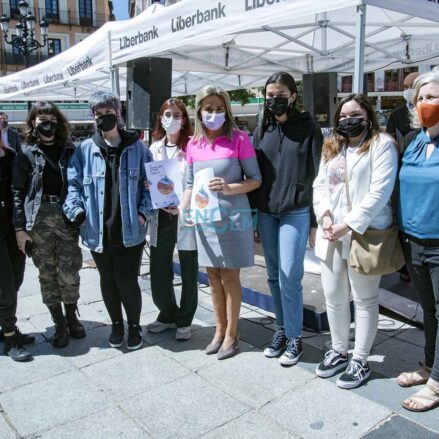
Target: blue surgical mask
213 121
171 125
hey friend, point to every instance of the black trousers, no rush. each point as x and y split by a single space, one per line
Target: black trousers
12 263
119 284
423 265
162 275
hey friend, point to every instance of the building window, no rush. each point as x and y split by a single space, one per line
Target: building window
53 46
52 11
86 12
13 6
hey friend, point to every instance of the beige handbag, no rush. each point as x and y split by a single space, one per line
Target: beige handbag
375 252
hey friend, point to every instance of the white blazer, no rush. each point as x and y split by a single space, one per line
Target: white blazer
185 235
371 180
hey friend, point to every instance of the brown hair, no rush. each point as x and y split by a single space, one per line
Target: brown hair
336 142
62 135
186 128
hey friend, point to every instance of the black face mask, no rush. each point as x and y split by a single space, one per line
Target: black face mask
351 126
47 129
106 122
277 106
4 124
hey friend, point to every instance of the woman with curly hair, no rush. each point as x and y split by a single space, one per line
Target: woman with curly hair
39 186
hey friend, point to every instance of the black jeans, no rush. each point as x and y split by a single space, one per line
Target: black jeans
119 284
162 275
12 263
422 258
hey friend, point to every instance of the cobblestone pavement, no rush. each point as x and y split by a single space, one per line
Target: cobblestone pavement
171 389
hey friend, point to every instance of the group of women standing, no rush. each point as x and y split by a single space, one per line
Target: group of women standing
302 189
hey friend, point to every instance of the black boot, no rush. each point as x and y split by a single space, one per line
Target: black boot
61 336
76 329
14 349
22 338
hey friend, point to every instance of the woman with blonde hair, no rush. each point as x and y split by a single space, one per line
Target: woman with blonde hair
418 220
226 245
352 193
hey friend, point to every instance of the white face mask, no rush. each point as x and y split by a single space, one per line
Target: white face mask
408 95
213 121
171 125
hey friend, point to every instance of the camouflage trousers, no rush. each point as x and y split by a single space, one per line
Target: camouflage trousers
57 256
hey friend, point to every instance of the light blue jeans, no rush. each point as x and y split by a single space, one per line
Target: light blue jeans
284 239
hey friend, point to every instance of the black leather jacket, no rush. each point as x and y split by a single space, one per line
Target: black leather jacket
27 183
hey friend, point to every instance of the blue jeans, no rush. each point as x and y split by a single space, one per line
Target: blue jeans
284 239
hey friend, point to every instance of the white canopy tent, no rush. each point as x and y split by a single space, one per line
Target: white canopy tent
239 43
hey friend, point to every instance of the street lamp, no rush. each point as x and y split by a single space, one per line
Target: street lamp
24 40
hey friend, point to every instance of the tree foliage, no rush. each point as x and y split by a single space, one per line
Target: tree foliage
242 96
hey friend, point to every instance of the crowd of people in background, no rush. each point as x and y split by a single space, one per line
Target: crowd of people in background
287 189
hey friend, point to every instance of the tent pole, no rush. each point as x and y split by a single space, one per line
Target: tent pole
114 70
360 35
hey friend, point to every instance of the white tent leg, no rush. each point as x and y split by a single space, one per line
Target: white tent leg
115 87
360 34
114 71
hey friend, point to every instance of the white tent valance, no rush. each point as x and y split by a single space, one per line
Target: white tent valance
239 43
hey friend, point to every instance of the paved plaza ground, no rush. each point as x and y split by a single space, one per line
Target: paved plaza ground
172 389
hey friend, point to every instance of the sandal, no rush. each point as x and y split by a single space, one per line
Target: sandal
426 399
416 378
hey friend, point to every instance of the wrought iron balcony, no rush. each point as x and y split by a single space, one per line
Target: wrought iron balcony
69 18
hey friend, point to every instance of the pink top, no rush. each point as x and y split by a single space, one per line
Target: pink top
240 147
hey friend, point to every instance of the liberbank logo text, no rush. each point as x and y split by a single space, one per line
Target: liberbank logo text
199 17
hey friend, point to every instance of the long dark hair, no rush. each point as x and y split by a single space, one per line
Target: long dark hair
282 78
186 129
62 135
335 143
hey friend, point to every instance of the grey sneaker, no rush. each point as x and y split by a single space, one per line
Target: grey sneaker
356 374
333 362
157 326
183 333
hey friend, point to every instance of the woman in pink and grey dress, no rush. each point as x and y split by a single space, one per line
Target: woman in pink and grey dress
226 245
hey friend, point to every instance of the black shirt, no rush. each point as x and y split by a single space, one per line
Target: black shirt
52 178
113 240
399 119
6 163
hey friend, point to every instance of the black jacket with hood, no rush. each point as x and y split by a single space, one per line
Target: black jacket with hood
288 156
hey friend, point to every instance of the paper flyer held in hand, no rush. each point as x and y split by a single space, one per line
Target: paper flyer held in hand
165 183
204 202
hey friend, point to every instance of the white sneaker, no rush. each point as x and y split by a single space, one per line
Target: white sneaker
183 333
157 326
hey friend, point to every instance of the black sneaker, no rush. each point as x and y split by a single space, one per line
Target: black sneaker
23 338
333 362
292 352
116 336
135 338
277 344
356 374
14 349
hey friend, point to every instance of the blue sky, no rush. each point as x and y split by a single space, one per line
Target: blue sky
121 9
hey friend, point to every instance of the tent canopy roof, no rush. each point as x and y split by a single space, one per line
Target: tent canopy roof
238 44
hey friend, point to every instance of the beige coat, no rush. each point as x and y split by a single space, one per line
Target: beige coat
371 180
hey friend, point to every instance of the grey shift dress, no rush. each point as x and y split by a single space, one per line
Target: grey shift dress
227 243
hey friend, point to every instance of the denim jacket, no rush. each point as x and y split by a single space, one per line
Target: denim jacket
86 186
